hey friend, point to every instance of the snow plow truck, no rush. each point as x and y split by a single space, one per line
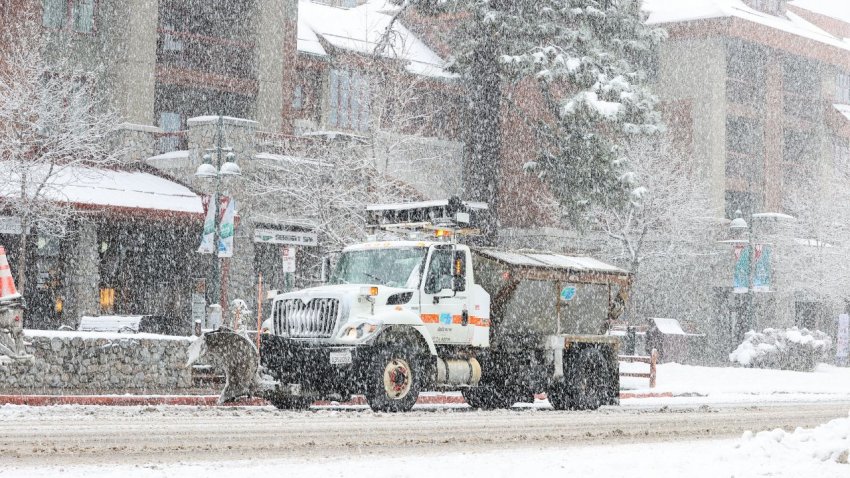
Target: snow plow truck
398 317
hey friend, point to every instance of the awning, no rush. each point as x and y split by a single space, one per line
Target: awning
95 187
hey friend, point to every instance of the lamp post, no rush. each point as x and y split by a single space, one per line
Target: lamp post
743 234
217 172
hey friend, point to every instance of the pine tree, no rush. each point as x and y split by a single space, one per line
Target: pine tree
585 57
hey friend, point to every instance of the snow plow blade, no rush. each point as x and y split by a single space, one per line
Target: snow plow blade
236 355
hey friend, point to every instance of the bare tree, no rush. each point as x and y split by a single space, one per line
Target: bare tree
668 212
52 130
813 250
664 230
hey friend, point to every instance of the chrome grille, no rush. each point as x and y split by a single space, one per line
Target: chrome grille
314 318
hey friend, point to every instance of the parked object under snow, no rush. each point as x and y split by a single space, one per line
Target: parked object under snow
787 349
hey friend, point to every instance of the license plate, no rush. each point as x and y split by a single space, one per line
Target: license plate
341 357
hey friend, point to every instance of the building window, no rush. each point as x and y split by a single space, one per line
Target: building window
349 100
298 97
740 200
799 147
77 14
842 88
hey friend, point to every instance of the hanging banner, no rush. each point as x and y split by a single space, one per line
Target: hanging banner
741 282
227 228
209 229
761 275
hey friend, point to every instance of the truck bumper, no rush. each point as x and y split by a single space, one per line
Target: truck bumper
319 370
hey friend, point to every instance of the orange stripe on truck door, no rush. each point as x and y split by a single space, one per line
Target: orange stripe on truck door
456 319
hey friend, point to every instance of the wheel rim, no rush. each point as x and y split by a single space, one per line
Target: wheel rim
398 379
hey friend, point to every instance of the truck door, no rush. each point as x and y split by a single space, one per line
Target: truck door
441 309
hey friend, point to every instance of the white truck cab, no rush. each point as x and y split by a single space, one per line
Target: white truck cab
425 285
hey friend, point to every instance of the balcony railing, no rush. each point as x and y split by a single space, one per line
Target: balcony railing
206 54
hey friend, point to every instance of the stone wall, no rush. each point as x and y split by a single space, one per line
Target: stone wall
92 362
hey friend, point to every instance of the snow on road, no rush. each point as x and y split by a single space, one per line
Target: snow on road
691 459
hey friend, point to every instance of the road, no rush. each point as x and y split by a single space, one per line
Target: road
80 435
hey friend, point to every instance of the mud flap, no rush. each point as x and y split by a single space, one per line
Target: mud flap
233 353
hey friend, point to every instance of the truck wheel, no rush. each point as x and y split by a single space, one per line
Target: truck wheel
488 398
282 402
559 396
588 380
393 380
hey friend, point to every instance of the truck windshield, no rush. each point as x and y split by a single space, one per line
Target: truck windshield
391 267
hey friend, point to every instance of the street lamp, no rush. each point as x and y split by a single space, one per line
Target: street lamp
743 236
206 170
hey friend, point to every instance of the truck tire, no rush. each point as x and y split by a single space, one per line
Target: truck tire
283 402
393 379
488 398
559 396
588 380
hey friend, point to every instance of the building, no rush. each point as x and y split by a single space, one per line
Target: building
299 85
753 93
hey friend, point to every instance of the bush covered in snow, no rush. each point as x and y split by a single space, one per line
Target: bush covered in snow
787 349
827 442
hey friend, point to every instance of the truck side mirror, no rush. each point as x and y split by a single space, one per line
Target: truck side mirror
459 271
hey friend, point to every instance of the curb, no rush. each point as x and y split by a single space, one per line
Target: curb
211 400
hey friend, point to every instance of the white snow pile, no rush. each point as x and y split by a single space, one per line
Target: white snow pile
786 349
829 442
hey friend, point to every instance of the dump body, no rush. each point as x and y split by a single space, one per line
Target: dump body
538 294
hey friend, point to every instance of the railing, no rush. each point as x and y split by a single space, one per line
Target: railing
214 55
652 360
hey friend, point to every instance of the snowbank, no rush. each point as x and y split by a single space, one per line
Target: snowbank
786 349
827 442
694 384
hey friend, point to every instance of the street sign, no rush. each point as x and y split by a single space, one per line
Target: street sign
10 225
287 253
568 293
295 238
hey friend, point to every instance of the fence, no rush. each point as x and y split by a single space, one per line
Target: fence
652 360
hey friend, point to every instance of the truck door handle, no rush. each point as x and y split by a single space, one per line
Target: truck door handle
464 318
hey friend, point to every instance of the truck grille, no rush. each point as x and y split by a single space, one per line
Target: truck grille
299 319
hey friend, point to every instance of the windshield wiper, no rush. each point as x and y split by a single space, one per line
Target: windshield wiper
380 281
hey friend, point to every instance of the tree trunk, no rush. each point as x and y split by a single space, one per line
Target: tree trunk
21 280
481 178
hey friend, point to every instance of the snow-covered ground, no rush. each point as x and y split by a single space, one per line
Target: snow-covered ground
820 452
696 384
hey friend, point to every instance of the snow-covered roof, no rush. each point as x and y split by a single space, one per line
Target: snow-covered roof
843 109
358 29
171 155
404 206
837 9
103 187
550 260
282 158
673 11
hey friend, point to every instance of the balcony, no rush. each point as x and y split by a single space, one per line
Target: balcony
206 55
